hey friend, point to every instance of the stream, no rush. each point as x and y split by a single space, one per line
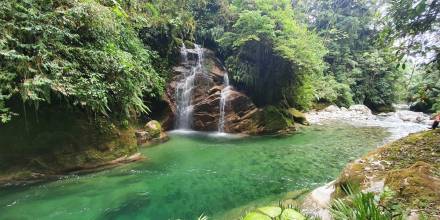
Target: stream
197 173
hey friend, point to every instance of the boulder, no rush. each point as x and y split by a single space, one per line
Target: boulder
361 109
153 128
331 108
298 116
240 113
151 133
415 117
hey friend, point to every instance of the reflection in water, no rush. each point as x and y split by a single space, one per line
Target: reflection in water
195 174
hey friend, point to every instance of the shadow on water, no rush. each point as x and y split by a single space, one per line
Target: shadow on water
197 173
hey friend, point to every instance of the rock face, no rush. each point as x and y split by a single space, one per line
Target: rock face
240 112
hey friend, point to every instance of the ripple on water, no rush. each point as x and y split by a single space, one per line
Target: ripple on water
197 173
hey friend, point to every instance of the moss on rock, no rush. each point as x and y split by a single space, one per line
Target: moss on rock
273 120
298 116
409 167
153 128
416 186
60 140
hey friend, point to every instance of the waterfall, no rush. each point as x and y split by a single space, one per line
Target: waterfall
184 89
223 101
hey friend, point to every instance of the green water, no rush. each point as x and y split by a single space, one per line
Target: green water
191 175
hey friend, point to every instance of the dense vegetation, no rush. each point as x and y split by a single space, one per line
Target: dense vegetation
84 52
414 27
112 57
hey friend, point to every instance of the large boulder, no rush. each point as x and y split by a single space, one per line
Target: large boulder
151 133
154 128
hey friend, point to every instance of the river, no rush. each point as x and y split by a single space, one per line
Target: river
197 173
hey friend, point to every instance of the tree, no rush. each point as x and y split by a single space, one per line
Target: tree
84 53
350 30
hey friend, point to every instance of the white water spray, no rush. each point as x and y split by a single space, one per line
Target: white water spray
185 89
223 101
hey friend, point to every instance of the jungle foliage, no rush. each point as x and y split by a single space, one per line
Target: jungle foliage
85 53
113 57
362 70
271 54
415 26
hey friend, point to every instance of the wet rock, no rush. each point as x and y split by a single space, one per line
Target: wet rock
273 121
151 134
153 128
241 114
298 116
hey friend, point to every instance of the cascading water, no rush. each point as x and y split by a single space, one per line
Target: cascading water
223 101
185 88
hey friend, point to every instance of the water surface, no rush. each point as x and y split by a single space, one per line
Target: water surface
195 174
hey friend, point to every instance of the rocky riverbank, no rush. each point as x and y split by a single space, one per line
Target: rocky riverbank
97 152
408 167
399 123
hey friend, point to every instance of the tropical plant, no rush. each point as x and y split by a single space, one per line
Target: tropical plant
84 53
362 205
271 54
